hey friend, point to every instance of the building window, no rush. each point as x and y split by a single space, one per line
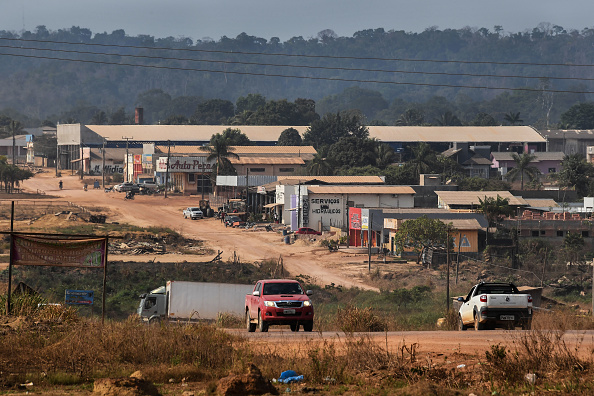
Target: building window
286 169
257 169
534 233
559 233
585 234
191 178
350 204
552 170
542 232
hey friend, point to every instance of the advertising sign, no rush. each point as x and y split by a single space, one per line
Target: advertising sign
34 250
185 165
79 297
355 218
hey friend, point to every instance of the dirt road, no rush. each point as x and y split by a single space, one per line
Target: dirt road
146 211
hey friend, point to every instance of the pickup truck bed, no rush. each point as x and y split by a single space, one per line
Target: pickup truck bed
490 305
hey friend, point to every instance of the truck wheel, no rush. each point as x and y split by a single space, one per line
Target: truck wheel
294 326
461 325
251 327
262 325
478 325
527 325
154 321
308 326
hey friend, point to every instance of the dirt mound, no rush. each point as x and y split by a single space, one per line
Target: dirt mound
252 383
130 386
57 220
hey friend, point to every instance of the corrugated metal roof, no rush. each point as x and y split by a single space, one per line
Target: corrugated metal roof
544 156
578 134
463 224
541 202
332 179
190 133
473 197
246 150
267 161
472 134
413 134
360 189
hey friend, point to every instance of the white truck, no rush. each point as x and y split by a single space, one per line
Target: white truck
180 300
490 305
193 213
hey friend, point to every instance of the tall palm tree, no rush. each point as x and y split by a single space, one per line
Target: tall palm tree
220 151
513 118
448 119
384 155
423 158
320 165
523 167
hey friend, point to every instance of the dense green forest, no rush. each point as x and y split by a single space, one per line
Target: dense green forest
429 77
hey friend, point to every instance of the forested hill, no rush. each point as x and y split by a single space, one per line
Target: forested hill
39 80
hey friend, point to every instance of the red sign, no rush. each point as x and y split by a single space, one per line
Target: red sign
355 218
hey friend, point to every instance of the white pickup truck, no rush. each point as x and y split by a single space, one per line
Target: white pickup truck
490 305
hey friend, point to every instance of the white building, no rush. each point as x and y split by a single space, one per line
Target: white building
322 206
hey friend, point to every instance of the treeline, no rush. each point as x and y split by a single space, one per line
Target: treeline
34 88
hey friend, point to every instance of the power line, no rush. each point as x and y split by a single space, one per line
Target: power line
301 77
305 56
301 66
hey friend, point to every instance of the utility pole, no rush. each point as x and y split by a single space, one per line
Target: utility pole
369 242
167 168
127 159
103 166
448 269
81 159
57 154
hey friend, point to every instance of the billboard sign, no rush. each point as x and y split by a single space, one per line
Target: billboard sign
185 165
55 252
79 297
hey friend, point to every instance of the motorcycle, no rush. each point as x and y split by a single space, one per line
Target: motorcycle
60 184
129 195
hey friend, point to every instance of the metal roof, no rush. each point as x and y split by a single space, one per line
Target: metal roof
578 134
292 151
471 134
360 189
190 133
332 179
540 156
258 133
267 161
541 202
473 197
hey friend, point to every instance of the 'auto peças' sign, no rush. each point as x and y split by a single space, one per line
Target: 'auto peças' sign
185 165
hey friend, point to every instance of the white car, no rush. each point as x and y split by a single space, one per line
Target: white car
490 305
193 213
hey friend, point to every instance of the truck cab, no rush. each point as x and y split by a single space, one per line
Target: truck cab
153 305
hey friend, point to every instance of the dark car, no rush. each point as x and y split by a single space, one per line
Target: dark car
127 187
307 231
233 221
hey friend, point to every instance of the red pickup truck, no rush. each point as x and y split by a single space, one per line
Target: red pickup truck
278 302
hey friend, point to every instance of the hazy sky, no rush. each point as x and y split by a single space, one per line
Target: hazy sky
285 19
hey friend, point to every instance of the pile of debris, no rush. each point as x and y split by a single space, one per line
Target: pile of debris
133 247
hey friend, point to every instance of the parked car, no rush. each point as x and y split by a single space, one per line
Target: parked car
278 302
193 213
127 186
490 305
307 231
234 221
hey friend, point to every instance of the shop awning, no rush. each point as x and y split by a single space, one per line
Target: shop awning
272 205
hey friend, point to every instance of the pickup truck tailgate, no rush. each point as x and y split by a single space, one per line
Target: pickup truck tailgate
507 301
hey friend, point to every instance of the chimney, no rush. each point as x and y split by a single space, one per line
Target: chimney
138 116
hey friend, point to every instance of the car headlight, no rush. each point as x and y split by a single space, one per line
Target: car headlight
307 303
269 303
